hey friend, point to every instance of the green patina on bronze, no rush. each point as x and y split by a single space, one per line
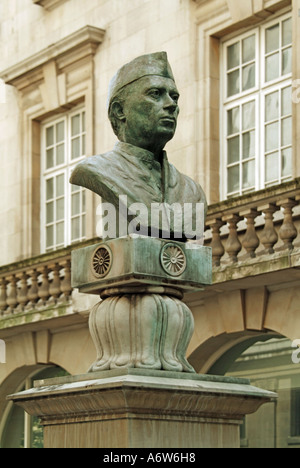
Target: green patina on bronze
143 111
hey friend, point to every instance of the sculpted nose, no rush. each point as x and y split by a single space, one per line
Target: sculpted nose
170 103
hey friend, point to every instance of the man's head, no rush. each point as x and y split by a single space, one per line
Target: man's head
143 102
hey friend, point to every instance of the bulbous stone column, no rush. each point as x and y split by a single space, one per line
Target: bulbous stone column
141 320
150 331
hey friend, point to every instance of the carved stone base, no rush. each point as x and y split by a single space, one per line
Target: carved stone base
150 331
138 408
141 321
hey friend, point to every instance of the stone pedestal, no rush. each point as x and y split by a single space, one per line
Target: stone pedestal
141 392
133 408
141 321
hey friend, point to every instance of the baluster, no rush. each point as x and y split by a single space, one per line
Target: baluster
22 295
33 295
287 232
216 244
233 245
43 291
12 300
251 240
3 295
269 236
54 288
65 286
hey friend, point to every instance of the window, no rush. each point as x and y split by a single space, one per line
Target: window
257 108
20 430
63 213
295 412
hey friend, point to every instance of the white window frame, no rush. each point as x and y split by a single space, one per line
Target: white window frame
258 92
65 169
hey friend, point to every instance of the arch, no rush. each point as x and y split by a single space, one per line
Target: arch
2 352
15 382
229 319
205 357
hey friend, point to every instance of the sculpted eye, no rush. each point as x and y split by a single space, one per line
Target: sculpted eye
155 93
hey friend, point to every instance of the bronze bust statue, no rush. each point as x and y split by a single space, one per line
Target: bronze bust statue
143 110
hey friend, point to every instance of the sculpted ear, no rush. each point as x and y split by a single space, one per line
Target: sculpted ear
118 111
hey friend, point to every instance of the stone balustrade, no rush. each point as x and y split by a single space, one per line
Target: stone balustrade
256 224
261 223
35 284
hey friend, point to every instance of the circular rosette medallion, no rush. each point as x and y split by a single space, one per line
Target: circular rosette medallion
101 261
173 259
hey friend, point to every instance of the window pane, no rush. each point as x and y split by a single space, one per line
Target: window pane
248 174
287 162
286 101
272 38
248 76
60 233
249 145
49 212
74 188
75 228
49 136
233 179
60 132
248 47
75 125
60 209
49 189
83 225
75 210
287 61
272 167
233 56
272 136
233 83
272 106
83 200
75 152
49 158
249 115
60 154
83 145
83 121
60 189
272 67
233 149
233 116
286 131
287 32
49 236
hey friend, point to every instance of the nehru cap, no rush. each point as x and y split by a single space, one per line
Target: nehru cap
151 64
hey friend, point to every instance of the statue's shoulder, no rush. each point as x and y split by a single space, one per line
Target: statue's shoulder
97 164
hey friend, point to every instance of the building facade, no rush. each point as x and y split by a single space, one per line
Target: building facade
238 135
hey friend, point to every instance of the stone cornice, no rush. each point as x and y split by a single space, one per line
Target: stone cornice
76 46
49 4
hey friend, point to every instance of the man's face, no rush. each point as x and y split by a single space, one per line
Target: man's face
151 111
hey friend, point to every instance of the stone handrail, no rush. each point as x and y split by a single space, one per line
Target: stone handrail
262 222
259 223
37 282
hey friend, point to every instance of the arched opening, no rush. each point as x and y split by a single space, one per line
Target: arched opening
2 352
266 360
18 429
